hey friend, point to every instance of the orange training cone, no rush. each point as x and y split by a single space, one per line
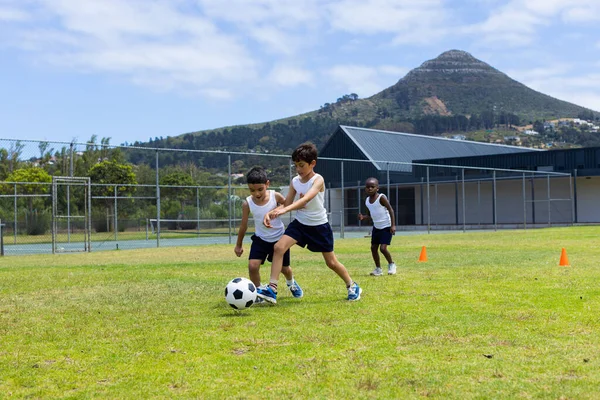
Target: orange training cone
423 256
564 260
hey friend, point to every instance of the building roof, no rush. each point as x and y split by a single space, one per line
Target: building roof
384 146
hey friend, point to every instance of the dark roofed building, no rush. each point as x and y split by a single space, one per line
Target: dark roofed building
381 151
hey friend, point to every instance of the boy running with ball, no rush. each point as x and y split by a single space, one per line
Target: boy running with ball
310 228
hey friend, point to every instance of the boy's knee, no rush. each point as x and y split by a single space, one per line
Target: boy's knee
279 248
253 267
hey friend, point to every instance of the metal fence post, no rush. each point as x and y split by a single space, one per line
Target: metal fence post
574 196
524 204
464 208
115 215
157 204
549 203
359 202
428 204
343 202
198 210
494 216
1 238
16 217
229 192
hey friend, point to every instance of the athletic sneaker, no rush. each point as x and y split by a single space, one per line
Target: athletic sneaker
392 269
296 290
354 292
267 293
377 272
259 300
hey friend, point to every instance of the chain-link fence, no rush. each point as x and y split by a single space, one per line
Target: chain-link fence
146 197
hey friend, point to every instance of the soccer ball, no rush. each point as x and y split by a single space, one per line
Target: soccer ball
240 293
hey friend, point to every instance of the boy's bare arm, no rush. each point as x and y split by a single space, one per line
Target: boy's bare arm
279 199
384 202
243 228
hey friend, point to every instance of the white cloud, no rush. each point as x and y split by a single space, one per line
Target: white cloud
286 75
153 44
518 22
12 14
364 80
559 81
409 22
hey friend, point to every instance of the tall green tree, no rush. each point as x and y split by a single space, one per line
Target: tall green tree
36 182
113 175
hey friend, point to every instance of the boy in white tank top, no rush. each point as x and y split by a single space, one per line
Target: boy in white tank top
259 203
310 228
384 225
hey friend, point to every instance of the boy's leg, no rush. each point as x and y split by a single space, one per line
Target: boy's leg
337 267
332 262
386 253
282 245
288 273
375 253
269 293
254 271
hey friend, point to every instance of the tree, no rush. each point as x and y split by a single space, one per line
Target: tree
14 152
112 173
179 194
35 179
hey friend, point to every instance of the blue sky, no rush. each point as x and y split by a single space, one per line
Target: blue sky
138 69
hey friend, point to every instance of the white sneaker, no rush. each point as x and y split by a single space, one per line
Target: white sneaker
392 269
377 272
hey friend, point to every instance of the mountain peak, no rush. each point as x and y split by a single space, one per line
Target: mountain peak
455 61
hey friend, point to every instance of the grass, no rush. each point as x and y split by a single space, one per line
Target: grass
490 315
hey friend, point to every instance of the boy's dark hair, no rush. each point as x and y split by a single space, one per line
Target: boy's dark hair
306 152
256 175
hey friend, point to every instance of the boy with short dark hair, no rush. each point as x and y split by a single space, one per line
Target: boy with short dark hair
384 225
259 203
310 228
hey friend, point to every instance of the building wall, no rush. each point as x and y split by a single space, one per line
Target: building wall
511 207
588 197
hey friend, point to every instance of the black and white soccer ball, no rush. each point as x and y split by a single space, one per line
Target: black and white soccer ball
240 293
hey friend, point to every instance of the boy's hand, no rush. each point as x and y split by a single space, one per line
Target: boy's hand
361 217
393 229
267 220
238 250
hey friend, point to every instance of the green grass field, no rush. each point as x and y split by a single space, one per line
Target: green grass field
490 315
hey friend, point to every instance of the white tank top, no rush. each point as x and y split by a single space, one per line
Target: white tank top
258 213
314 212
379 214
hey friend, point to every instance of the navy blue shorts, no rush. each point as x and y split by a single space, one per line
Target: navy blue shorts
262 250
381 236
318 239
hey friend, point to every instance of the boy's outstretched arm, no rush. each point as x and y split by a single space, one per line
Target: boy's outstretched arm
243 228
384 202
